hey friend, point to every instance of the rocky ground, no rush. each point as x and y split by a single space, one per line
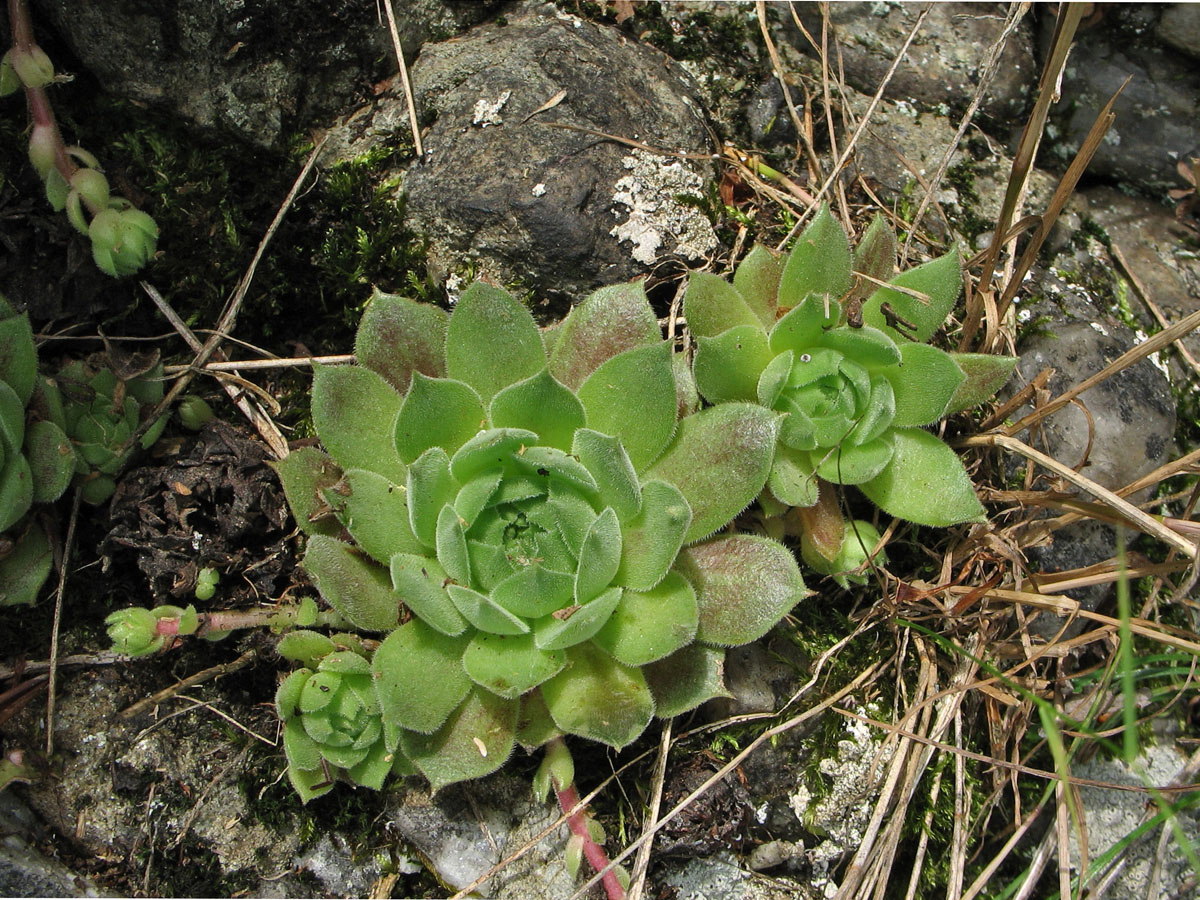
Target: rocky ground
205 113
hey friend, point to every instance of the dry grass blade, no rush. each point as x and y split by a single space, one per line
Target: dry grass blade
408 91
217 671
60 591
281 362
641 864
1152 306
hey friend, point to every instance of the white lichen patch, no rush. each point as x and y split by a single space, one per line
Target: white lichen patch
487 112
842 814
657 221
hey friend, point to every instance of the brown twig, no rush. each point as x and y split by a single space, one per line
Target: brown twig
200 677
408 91
64 571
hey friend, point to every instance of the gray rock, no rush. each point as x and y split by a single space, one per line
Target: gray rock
258 69
24 870
1157 114
722 878
1179 27
944 62
557 211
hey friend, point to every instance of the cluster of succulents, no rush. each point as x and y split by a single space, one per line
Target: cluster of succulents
36 463
123 238
527 517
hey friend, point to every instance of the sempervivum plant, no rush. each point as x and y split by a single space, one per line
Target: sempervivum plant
526 518
837 343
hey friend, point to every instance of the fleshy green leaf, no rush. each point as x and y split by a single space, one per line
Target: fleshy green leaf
287 695
924 386
774 379
305 473
651 540
985 374
744 585
757 280
686 678
599 556
939 279
492 340
484 613
344 399
421 583
729 365
305 647
713 305
452 546
476 741
510 665
535 727
648 625
803 326
18 355
616 481
489 450
719 460
25 569
610 321
12 420
632 397
540 404
867 346
419 678
924 483
398 336
819 264
599 698
430 487
793 480
438 412
875 256
358 589
533 591
51 460
550 462
854 464
375 513
575 625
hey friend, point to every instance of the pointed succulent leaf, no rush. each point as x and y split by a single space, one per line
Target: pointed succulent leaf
574 625
304 474
375 513
877 416
304 762
774 379
610 321
430 487
421 583
729 365
18 355
924 483
687 398
757 280
854 464
925 385
573 517
25 569
476 741
452 546
822 524
713 305
866 346
16 490
599 556
719 460
305 647
12 419
287 695
489 450
686 678
859 539
419 678
358 589
343 399
874 257
793 479
632 396
939 280
51 460
534 728
484 613
398 336
819 264
540 404
474 496
803 326
744 585
550 462
648 625
533 591
616 481
651 540
492 340
373 771
438 412
985 374
510 664
598 698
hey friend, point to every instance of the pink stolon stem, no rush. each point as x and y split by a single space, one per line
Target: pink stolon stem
568 799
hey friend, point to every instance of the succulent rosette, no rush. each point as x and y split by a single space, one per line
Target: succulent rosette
528 515
836 343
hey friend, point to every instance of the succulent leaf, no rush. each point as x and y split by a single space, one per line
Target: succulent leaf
599 556
874 257
939 280
419 678
728 366
430 487
985 375
477 739
359 589
18 355
375 512
927 382
608 322
398 337
744 585
421 583
344 397
687 678
16 490
576 624
438 412
819 264
712 305
648 625
599 698
855 463
604 457
542 405
802 327
51 460
510 665
492 341
305 473
925 482
632 397
719 460
757 280
25 568
652 539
